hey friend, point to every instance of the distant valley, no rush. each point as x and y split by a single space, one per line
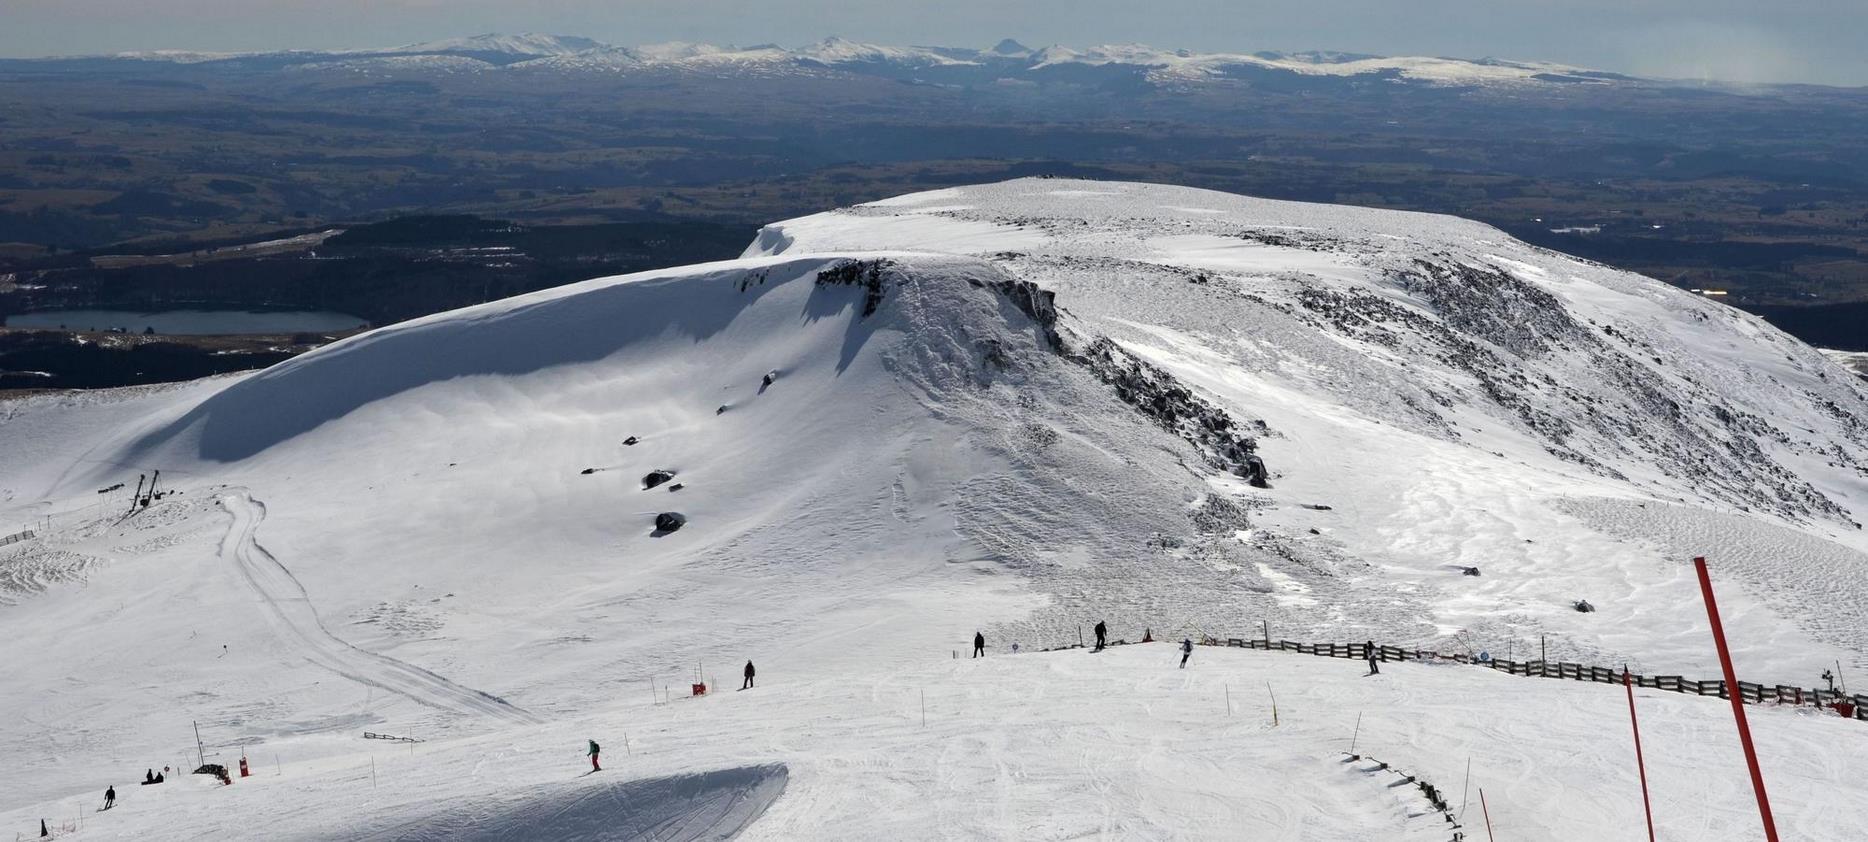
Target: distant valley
216 163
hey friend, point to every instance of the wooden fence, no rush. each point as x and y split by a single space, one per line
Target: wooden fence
1752 693
16 538
1434 796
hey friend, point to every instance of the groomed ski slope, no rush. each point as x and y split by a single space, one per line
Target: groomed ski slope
439 529
1066 745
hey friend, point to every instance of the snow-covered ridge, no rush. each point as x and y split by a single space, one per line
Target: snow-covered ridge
1185 64
529 44
571 53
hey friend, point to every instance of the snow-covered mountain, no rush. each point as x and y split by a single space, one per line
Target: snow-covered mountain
959 65
1429 378
529 44
1017 408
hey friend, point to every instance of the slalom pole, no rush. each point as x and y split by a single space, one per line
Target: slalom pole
1274 704
1228 700
1465 791
1356 734
1488 814
1737 697
1640 763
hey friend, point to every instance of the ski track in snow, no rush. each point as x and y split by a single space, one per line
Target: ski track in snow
292 614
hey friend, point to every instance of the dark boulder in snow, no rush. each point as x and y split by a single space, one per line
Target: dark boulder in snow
677 486
656 477
1584 606
630 441
720 410
667 522
766 381
1254 471
588 471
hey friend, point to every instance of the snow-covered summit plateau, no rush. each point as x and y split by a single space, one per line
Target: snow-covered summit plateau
1017 408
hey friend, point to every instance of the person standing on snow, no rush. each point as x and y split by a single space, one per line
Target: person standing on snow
979 644
594 748
747 684
1102 635
1186 651
1368 649
110 797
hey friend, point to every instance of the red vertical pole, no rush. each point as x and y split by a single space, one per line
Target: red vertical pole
1640 763
1738 702
1488 813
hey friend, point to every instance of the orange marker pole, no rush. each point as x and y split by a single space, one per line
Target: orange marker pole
1738 702
1640 763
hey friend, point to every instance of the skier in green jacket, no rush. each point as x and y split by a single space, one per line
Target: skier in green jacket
594 748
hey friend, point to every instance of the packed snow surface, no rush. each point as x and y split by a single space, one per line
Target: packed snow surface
1017 408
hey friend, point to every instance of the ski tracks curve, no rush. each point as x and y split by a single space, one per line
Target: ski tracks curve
289 608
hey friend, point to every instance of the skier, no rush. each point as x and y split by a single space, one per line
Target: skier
149 776
594 748
979 644
110 797
747 684
1186 651
1102 635
1368 649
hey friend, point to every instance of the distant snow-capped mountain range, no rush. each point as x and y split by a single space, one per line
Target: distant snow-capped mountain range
1008 57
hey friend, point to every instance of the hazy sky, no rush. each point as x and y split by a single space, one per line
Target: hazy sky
1823 41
